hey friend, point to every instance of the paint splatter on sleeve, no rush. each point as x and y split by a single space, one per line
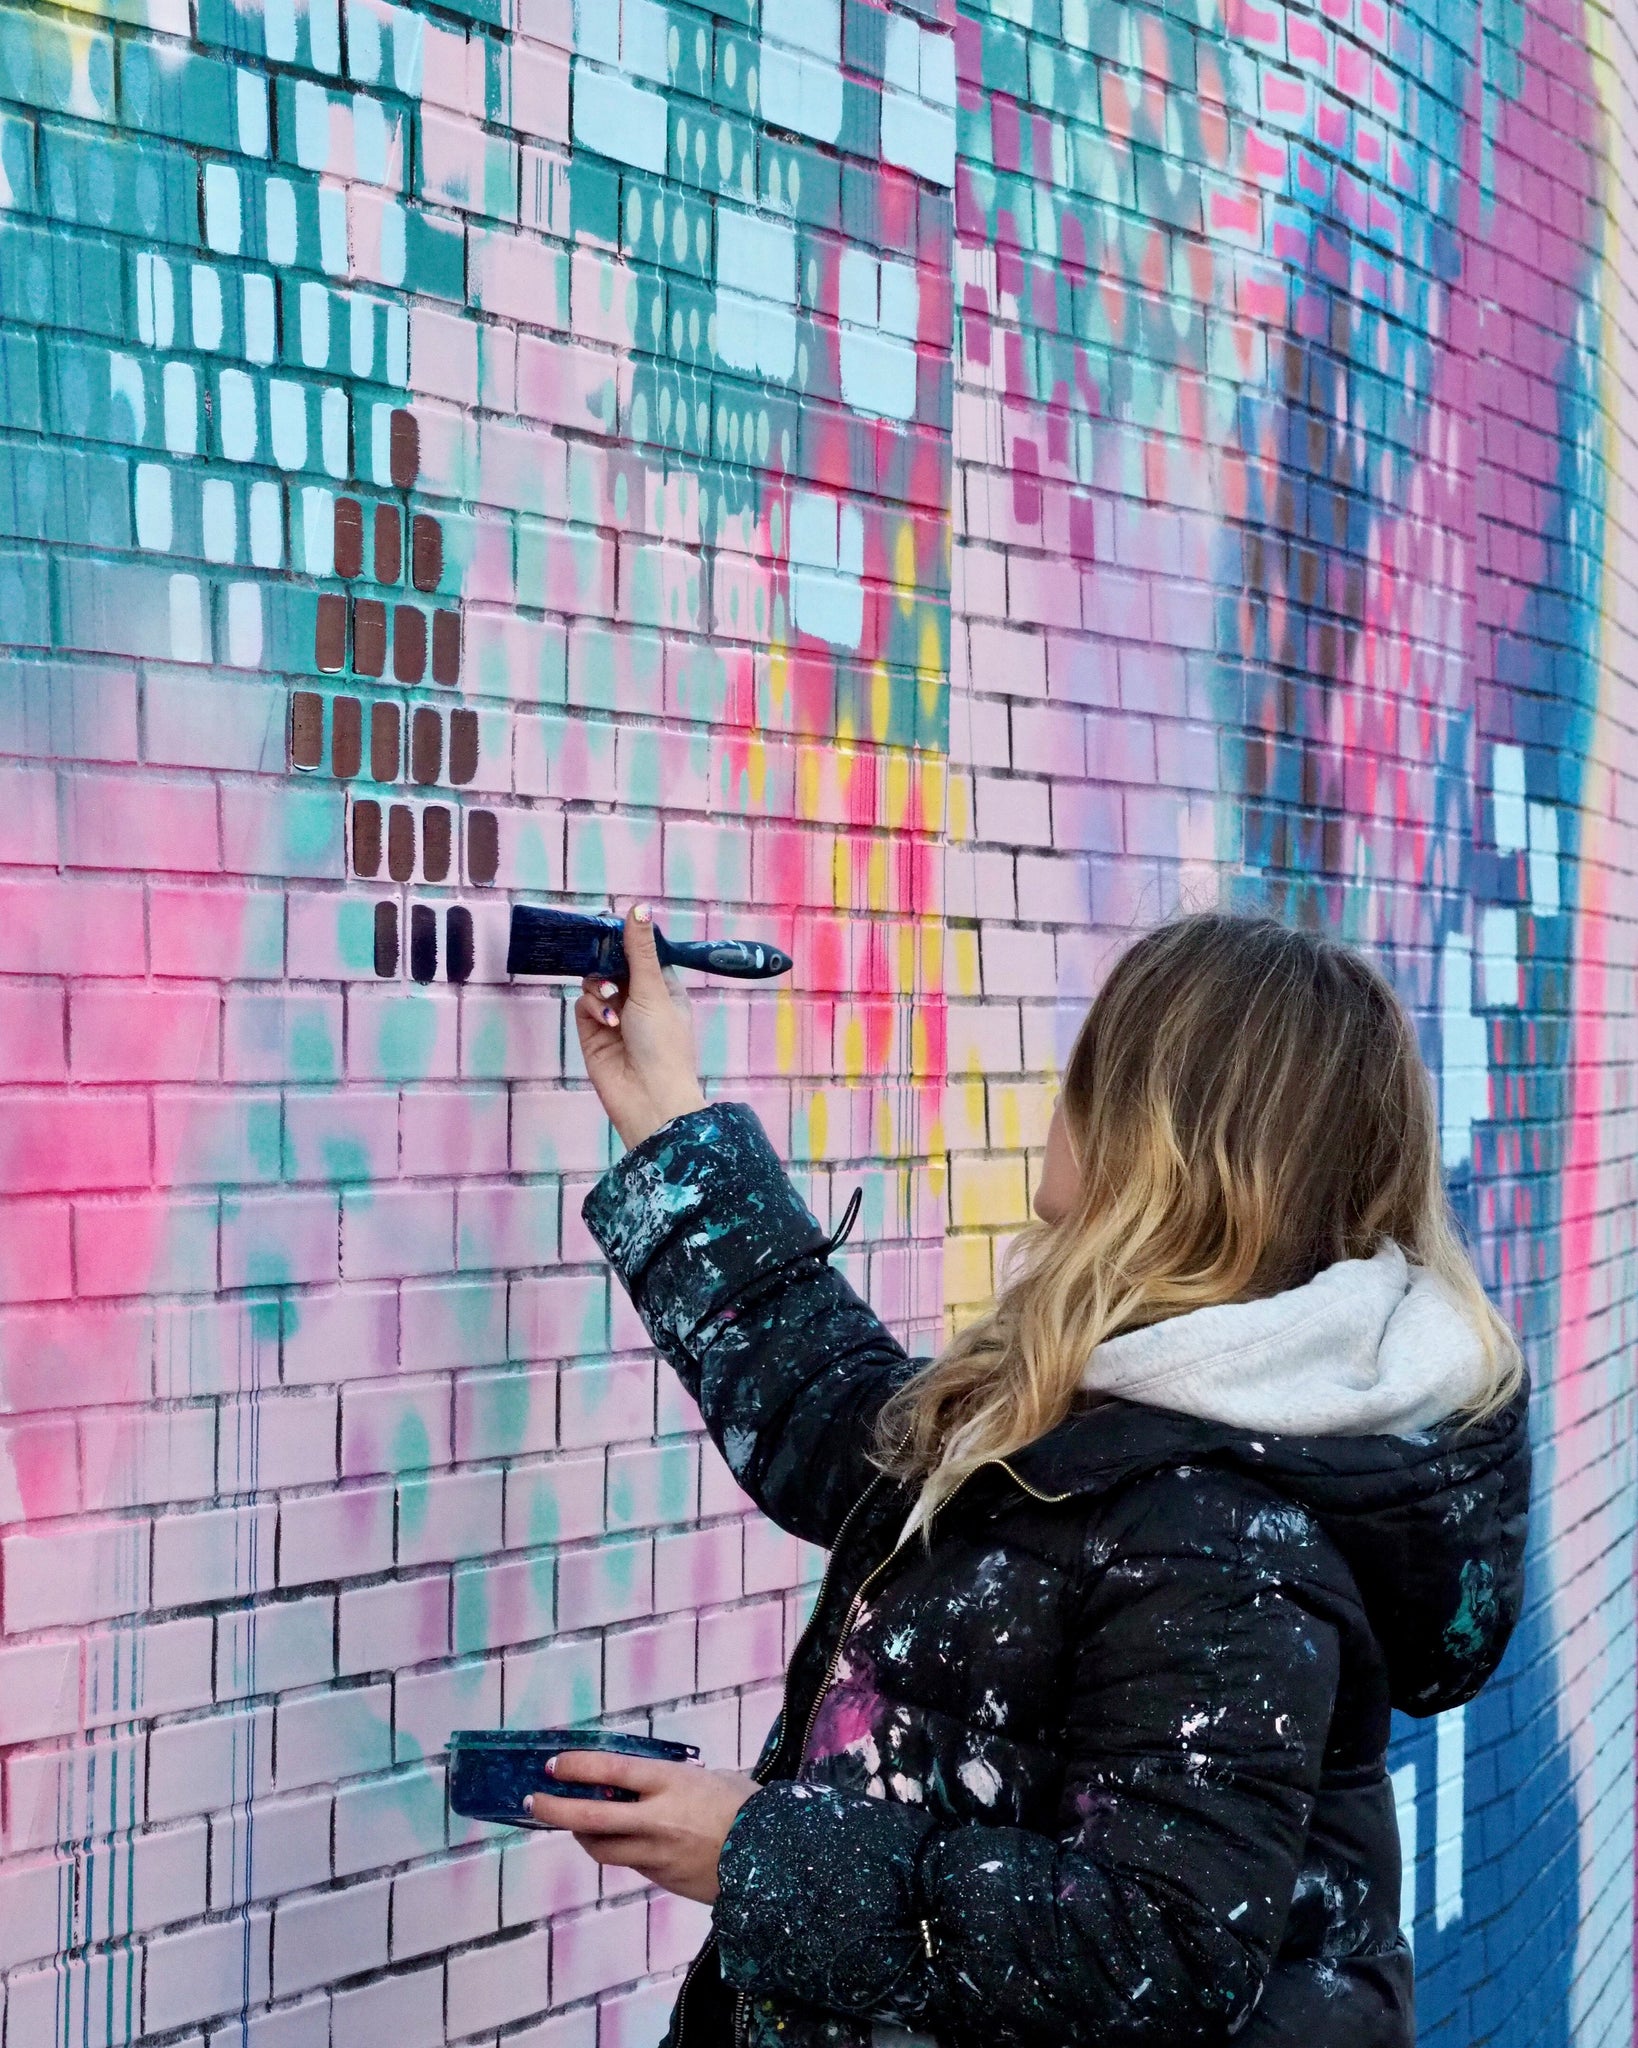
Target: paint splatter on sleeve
728 1269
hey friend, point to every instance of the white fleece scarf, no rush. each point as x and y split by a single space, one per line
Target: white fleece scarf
1369 1347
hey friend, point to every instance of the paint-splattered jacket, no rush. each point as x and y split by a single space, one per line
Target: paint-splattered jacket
1104 1764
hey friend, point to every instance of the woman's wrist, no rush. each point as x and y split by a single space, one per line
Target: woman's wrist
633 1132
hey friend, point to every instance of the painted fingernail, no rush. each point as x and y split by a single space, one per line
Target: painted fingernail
610 1016
608 988
643 912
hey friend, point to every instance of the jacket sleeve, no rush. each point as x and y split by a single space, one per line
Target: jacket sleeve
1201 1683
730 1273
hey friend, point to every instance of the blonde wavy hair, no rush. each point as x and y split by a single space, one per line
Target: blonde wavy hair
1246 1104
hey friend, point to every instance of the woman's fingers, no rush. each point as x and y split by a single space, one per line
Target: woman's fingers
640 1774
642 956
590 1818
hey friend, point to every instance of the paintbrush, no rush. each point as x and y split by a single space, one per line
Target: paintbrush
567 942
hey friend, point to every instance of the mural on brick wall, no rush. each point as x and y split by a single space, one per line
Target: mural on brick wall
933 489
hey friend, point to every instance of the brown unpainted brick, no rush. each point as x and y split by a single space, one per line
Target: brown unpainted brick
330 634
435 842
389 544
401 842
446 647
426 744
426 552
385 747
346 737
409 643
369 636
404 448
482 847
349 549
386 938
463 746
306 729
366 838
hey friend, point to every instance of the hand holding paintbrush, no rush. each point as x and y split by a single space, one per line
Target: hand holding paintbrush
638 1042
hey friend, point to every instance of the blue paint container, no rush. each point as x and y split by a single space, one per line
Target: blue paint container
492 1771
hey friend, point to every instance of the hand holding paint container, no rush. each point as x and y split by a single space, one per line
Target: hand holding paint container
492 1772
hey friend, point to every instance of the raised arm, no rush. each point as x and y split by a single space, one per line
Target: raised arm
726 1265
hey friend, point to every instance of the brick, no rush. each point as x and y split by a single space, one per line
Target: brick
74 1573
649 1664
202 1137
333 1933
455 1132
323 1537
39 1696
329 1337
97 1787
393 1232
146 1668
213 1761
279 1240
203 1971
429 1705
605 1403
505 1414
592 1951
73 1142
275 1646
34 1897
36 1258
404 1621
220 934
77 1996
330 1735
501 1981
218 1554
39 1469
145 1246
275 1440
397 1427
268 1037
389 1820
738 1645
139 824
448 1515
32 1029
604 1583
400 1037
334 1137
453 1324
405 2008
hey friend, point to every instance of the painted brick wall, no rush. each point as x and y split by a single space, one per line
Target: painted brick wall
938 489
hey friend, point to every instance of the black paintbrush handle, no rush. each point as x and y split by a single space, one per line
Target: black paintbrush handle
744 959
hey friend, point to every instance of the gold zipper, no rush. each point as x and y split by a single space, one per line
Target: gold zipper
1051 1500
692 1972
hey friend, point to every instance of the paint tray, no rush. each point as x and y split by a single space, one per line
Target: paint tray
492 1771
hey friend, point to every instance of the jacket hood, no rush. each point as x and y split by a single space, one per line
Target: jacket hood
1369 1347
1431 1524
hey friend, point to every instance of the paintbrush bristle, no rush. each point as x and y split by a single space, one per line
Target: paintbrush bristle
563 942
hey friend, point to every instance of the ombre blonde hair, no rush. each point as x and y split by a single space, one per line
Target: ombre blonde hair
1246 1105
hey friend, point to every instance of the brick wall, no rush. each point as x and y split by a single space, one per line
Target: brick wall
934 490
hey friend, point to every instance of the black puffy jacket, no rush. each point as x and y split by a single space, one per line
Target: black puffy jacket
1102 1766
